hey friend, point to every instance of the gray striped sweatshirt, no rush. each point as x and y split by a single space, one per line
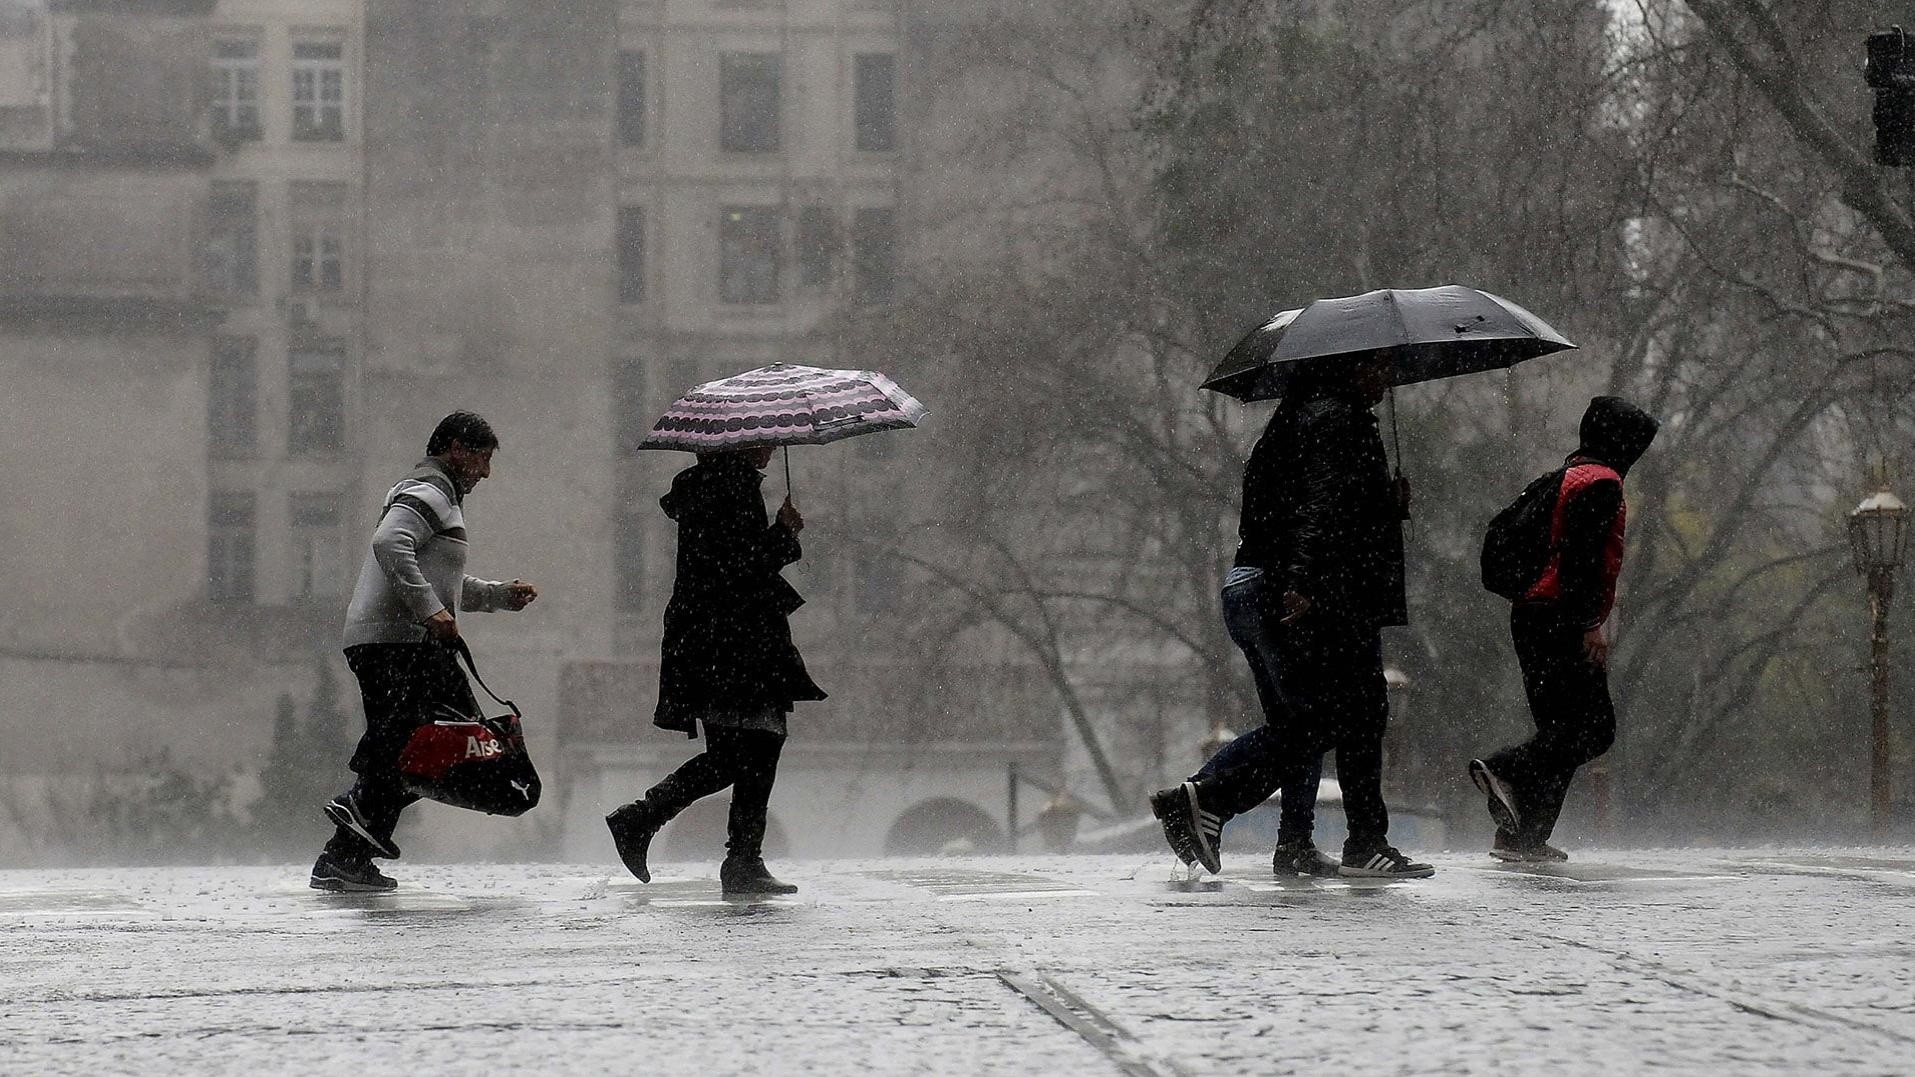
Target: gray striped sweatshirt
415 566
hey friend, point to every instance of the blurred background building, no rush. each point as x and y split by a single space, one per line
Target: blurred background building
251 250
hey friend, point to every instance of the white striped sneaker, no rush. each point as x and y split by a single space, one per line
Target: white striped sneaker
1382 862
1191 831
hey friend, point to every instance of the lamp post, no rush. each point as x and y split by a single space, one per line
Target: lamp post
1878 536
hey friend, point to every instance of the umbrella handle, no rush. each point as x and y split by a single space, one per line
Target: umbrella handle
787 472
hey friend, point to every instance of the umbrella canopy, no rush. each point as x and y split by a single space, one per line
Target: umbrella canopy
1430 333
784 404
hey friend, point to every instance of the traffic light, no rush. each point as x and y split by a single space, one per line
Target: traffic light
1890 72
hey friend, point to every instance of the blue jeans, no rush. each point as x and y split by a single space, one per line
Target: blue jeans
1277 755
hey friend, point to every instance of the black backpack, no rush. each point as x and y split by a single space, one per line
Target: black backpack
1517 546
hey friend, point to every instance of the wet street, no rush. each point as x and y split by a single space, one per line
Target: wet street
1774 961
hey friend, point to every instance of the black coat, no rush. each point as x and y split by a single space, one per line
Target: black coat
1320 514
727 643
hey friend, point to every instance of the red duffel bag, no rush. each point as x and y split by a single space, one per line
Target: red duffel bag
472 762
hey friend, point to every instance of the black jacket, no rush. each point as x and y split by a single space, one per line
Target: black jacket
1321 515
727 642
1615 433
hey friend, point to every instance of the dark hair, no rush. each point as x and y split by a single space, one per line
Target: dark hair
464 427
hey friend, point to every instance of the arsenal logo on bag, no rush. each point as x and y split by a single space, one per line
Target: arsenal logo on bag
475 763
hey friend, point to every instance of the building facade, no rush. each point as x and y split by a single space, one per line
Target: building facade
254 249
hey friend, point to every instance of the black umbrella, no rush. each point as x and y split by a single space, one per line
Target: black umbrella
1430 333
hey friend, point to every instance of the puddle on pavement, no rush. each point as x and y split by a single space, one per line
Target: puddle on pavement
960 884
1596 874
64 903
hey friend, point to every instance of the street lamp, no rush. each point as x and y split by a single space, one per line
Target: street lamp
1878 536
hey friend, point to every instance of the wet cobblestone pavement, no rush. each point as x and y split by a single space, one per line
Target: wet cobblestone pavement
1769 961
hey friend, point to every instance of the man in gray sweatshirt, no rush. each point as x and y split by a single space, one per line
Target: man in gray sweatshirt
400 628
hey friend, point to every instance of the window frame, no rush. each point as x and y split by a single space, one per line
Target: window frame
628 259
313 99
318 549
232 404
631 120
229 96
739 73
232 547
300 396
737 285
884 122
238 247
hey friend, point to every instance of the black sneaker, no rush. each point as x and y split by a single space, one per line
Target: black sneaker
1501 798
1191 831
633 828
748 877
1512 851
1382 862
344 811
349 877
1301 858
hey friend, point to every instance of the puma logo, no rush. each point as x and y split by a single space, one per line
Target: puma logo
524 788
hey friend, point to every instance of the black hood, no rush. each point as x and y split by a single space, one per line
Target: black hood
1616 432
714 477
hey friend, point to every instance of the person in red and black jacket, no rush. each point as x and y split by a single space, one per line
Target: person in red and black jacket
1561 642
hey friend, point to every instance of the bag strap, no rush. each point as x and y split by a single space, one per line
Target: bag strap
465 652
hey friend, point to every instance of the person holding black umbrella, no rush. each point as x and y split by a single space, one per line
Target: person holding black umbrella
1318 574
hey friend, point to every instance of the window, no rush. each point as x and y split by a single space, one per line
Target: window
314 520
231 254
229 547
632 414
628 540
748 255
875 571
316 419
232 391
22 55
817 243
875 100
236 90
748 98
318 216
874 253
631 254
631 99
319 91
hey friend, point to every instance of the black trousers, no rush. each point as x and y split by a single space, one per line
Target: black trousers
1327 678
402 686
1575 720
744 759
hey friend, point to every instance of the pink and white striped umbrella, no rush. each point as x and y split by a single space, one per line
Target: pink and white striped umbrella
784 404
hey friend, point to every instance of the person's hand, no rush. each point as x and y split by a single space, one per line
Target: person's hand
1596 647
1294 606
519 594
442 627
789 516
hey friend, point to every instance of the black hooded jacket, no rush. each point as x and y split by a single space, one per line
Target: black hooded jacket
1320 514
1615 433
727 642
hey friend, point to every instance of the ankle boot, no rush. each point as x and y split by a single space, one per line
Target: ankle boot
633 827
743 876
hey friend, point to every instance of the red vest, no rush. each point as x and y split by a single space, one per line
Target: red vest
1578 478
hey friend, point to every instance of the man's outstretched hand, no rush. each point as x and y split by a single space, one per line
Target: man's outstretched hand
519 594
